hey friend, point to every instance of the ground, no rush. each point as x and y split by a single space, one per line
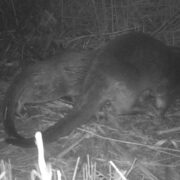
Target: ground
139 145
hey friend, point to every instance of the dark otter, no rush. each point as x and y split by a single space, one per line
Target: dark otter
44 81
121 71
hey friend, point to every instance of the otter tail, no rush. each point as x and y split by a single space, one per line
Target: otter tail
60 129
77 117
22 142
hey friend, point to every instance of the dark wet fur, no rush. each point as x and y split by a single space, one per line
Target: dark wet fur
121 71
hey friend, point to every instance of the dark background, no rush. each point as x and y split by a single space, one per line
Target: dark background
35 29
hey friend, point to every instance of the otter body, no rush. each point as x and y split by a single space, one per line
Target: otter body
121 72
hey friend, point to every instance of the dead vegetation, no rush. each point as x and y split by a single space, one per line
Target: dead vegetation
140 146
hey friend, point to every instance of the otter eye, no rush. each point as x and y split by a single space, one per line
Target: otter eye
67 99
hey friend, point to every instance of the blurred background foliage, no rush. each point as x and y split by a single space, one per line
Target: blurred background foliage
33 30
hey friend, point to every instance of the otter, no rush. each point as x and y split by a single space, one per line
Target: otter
121 71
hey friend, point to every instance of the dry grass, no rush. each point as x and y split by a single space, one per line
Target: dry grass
79 24
125 147
118 147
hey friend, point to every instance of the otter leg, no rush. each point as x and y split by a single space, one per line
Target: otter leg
161 102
